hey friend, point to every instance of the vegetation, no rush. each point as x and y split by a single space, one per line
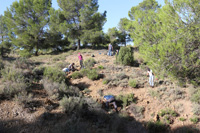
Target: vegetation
54 74
165 38
133 83
89 63
125 56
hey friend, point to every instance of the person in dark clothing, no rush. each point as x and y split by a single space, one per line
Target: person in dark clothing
110 99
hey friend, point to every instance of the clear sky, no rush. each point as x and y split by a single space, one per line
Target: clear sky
116 9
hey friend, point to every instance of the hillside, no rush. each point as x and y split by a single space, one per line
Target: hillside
165 108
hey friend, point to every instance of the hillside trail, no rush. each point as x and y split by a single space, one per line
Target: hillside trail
152 104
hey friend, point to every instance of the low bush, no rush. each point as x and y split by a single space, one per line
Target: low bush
126 99
156 127
121 76
100 67
182 119
137 111
62 65
11 74
54 74
23 97
196 97
11 88
51 87
133 83
154 93
196 109
22 63
195 119
76 75
168 112
105 81
125 56
71 104
92 74
84 71
89 63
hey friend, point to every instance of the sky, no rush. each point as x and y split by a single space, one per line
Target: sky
116 9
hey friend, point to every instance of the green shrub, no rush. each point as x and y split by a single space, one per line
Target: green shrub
71 104
23 97
137 111
133 83
126 99
182 119
92 74
76 75
125 56
84 71
168 112
195 120
54 74
50 87
11 74
62 65
100 67
156 127
154 93
105 81
22 63
38 70
89 63
11 88
121 76
196 97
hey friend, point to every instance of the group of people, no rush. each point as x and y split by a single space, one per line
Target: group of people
71 66
108 99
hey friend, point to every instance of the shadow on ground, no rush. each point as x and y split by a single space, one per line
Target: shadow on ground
86 121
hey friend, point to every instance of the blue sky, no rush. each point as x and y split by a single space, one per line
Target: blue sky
116 9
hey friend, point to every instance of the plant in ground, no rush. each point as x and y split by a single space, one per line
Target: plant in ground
100 67
195 119
54 74
156 127
76 75
133 83
182 119
125 56
71 104
126 99
89 63
92 74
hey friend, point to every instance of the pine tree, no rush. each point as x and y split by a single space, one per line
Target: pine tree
27 20
4 39
80 19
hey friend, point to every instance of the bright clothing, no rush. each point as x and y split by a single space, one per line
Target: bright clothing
151 77
80 57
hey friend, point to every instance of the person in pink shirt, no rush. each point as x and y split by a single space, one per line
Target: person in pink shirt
80 57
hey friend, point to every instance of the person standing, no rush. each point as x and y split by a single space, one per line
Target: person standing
110 48
80 57
151 77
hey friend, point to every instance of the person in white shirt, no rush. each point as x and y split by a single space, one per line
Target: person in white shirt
151 77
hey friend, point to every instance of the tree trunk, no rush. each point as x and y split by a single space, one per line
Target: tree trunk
36 52
79 44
